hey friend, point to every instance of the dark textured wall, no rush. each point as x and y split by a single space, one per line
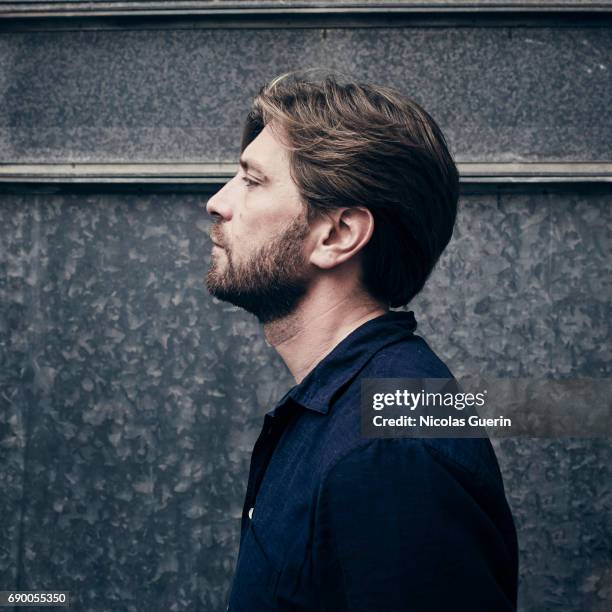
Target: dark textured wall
130 399
500 94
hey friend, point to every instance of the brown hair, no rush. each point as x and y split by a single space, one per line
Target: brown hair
357 144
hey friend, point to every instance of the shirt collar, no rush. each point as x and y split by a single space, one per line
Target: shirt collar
347 358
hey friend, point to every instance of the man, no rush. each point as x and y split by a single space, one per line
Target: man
345 198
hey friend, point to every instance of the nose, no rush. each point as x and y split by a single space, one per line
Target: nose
218 204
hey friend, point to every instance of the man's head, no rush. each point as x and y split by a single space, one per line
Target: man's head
333 176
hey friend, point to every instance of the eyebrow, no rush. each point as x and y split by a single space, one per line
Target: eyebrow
249 164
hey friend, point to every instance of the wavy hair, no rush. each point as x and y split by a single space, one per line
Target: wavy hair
358 144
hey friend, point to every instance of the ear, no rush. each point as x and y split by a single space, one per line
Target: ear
340 235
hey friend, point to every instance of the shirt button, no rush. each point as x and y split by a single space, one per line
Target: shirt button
251 513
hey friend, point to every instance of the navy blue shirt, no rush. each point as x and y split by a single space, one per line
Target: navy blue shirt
336 522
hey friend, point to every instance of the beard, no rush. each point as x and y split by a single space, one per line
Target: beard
271 283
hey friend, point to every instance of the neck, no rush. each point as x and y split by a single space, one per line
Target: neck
308 334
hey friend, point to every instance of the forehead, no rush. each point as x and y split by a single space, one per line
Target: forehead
267 154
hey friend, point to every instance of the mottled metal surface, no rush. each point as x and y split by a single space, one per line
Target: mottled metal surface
527 282
500 94
130 399
525 289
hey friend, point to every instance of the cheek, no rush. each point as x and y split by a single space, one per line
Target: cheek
261 218
245 230
248 225
248 232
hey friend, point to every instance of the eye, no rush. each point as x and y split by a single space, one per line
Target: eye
248 182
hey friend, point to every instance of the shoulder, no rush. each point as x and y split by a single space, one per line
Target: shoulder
437 494
410 357
342 446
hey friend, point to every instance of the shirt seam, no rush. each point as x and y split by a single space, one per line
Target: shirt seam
441 458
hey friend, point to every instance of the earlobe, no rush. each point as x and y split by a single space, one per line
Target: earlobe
323 259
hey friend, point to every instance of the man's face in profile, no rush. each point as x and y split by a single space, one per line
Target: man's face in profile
258 259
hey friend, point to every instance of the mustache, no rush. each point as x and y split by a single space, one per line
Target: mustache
215 236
